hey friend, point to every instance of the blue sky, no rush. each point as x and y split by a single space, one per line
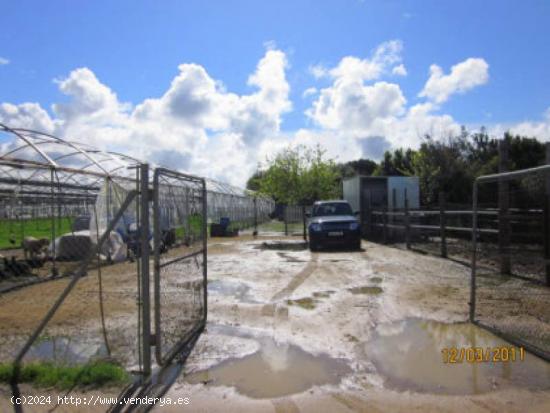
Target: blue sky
134 48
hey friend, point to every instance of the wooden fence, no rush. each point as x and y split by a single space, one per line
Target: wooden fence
507 233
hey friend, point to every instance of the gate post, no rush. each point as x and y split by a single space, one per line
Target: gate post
255 215
474 254
503 210
145 294
546 220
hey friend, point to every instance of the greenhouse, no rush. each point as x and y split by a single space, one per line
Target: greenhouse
107 252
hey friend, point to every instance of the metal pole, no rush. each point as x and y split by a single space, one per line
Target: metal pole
442 223
205 251
52 211
474 255
547 220
503 208
187 223
156 259
255 216
145 295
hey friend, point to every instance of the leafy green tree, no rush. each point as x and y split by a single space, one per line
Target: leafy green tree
396 163
300 176
320 178
441 166
358 167
253 183
303 175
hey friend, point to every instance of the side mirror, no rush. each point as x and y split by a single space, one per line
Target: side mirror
356 213
308 214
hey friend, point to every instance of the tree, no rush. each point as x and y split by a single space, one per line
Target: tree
253 183
396 163
300 176
442 166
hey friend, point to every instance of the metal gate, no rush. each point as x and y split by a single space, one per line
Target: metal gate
179 238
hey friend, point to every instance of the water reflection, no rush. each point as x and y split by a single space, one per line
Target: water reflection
409 355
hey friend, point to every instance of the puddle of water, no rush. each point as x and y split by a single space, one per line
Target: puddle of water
275 370
65 350
237 289
366 290
409 355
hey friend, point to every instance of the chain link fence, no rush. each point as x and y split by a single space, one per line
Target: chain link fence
511 257
180 261
286 220
71 300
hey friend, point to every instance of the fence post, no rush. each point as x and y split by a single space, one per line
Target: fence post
503 211
473 281
407 222
442 223
53 233
144 250
255 216
547 220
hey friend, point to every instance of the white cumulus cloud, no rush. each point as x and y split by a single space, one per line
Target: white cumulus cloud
4 61
464 76
399 70
196 125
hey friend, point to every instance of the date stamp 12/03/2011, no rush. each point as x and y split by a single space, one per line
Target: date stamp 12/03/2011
501 354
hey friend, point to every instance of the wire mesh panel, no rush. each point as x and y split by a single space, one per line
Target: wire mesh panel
70 295
510 266
241 210
180 260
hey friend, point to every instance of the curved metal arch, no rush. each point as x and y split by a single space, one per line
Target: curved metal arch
33 139
29 142
80 148
63 141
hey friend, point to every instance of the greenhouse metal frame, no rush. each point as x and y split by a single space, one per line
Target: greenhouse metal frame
79 212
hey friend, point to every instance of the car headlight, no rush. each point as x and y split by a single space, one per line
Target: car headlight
354 226
315 227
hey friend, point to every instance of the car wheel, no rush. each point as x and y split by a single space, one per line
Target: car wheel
356 245
313 246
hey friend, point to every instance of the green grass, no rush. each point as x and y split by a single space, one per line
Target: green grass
46 374
195 227
17 229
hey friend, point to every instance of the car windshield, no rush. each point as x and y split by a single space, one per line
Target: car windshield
335 208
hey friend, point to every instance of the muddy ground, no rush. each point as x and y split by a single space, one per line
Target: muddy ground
336 304
339 331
